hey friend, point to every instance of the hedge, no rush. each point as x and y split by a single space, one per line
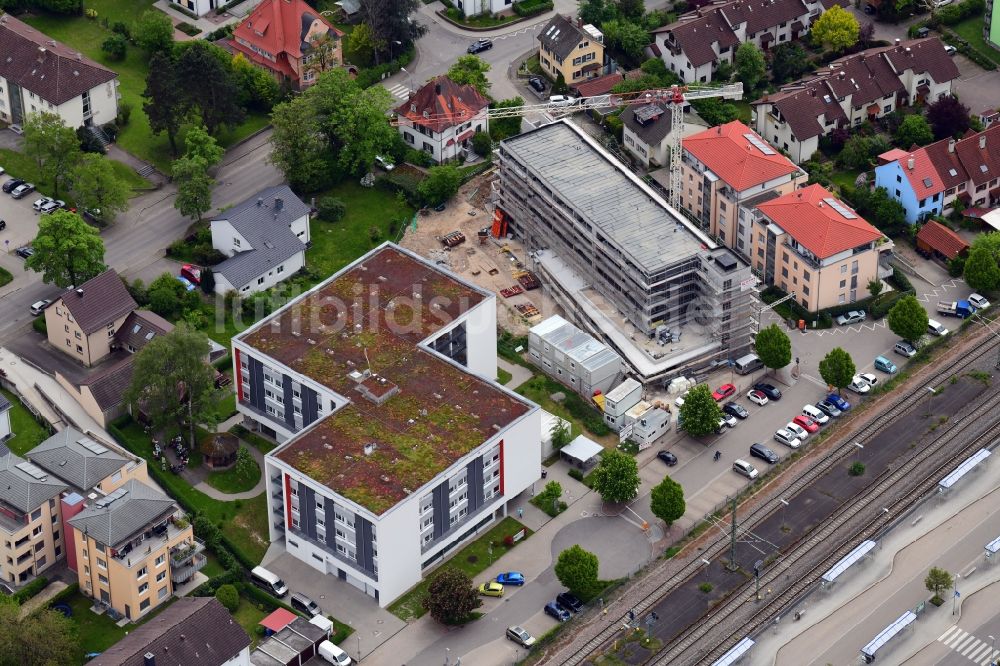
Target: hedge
532 7
71 590
31 589
371 75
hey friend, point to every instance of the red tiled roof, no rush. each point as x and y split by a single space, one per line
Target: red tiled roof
923 177
733 158
445 104
942 239
891 155
816 225
599 86
981 163
282 28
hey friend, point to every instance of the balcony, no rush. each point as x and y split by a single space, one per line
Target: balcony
181 575
278 510
182 554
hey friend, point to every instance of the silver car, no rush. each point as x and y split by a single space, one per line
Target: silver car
852 317
787 438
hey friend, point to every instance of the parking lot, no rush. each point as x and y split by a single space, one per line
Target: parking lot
22 221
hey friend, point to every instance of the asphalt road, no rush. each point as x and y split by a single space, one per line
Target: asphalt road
140 235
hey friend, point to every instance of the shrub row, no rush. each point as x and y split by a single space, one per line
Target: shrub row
369 76
31 589
532 7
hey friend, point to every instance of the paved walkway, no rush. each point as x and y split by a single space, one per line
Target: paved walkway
518 373
227 497
42 598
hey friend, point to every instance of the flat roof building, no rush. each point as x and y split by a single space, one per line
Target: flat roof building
572 357
397 443
626 266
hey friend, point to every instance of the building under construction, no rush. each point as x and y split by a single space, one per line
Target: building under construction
622 263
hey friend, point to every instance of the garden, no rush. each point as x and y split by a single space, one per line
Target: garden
27 431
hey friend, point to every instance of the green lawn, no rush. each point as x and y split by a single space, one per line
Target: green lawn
743 109
260 443
971 30
231 481
99 632
27 432
244 522
5 277
212 567
249 616
227 406
20 165
503 376
369 209
87 35
539 388
844 179
472 559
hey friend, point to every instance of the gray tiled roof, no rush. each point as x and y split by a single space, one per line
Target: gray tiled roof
141 327
4 403
193 630
653 132
66 454
109 385
137 508
266 229
561 36
22 490
99 301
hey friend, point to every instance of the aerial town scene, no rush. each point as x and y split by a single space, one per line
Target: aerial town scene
499 332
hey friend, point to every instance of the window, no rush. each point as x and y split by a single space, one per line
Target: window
236 242
260 280
36 514
161 559
161 593
141 572
79 349
143 587
160 576
102 564
143 605
102 578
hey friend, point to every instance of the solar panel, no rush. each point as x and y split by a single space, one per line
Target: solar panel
759 145
92 446
32 470
840 208
116 495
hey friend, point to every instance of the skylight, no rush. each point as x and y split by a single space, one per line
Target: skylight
135 329
840 208
983 168
928 182
952 172
92 446
758 144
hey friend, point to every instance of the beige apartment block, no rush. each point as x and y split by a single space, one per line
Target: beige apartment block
30 536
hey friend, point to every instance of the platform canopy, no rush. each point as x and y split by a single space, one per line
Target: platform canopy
848 561
993 546
735 654
889 633
963 469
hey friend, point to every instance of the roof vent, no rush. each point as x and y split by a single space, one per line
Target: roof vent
260 201
149 659
910 163
279 203
982 142
951 146
79 292
370 448
437 88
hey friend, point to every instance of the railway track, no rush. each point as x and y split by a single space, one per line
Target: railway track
906 403
854 521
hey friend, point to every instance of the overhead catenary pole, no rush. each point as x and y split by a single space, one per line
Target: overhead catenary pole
733 564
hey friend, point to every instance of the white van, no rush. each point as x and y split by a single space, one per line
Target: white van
333 654
268 582
744 365
935 328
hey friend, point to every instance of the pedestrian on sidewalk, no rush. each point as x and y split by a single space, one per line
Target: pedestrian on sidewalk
520 512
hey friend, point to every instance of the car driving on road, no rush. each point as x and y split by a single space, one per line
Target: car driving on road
482 44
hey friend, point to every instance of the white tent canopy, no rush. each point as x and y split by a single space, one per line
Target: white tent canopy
581 451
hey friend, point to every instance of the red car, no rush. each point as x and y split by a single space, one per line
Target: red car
191 272
806 422
724 392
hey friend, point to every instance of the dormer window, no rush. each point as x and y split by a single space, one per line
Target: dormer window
413 107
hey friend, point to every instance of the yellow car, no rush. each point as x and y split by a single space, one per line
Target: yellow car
491 589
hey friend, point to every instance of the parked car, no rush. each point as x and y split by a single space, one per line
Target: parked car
852 317
797 430
816 414
769 390
38 307
810 424
757 397
679 402
569 601
511 578
870 378
192 273
736 410
558 612
384 162
188 285
52 206
741 466
859 385
22 191
950 50
481 44
491 589
667 457
9 186
537 83
561 100
828 408
301 602
728 420
520 636
936 328
839 402
38 203
787 437
2 171
978 302
723 392
24 251
764 453
904 348
885 365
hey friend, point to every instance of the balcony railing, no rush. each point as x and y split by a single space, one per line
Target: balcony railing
180 555
179 575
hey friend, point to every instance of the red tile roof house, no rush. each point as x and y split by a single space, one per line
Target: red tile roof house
937 239
727 168
442 117
694 45
39 74
810 243
928 180
863 86
281 36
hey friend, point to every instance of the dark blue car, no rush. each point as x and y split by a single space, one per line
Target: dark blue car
557 611
838 402
511 578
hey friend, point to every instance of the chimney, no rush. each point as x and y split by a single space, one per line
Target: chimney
982 141
437 88
79 292
951 145
897 41
260 201
910 162
278 204
149 659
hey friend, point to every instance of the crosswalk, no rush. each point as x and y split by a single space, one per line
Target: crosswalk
400 92
975 650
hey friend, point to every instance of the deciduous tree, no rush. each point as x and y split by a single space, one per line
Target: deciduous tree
836 29
948 117
154 32
913 130
471 70
164 100
596 12
53 146
451 597
96 186
199 144
700 413
837 368
68 251
323 53
631 9
390 22
502 128
577 569
788 61
907 318
42 638
560 433
875 287
194 186
631 38
298 146
666 501
258 89
616 478
441 184
209 84
937 581
172 380
714 111
750 66
228 597
981 270
773 347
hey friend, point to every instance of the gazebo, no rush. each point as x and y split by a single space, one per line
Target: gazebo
219 450
581 452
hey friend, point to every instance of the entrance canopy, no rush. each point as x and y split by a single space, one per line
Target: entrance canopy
582 452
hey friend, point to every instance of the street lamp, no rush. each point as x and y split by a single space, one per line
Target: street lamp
359 647
784 509
993 651
447 656
409 78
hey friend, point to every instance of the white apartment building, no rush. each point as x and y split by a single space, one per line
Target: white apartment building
38 74
397 443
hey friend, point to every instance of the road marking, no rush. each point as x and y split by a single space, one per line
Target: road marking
400 92
815 381
990 658
973 647
962 644
978 654
951 642
948 633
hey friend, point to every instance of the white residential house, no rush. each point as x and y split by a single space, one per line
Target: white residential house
476 7
264 238
38 74
442 117
646 133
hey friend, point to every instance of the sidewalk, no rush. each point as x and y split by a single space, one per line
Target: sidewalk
518 373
